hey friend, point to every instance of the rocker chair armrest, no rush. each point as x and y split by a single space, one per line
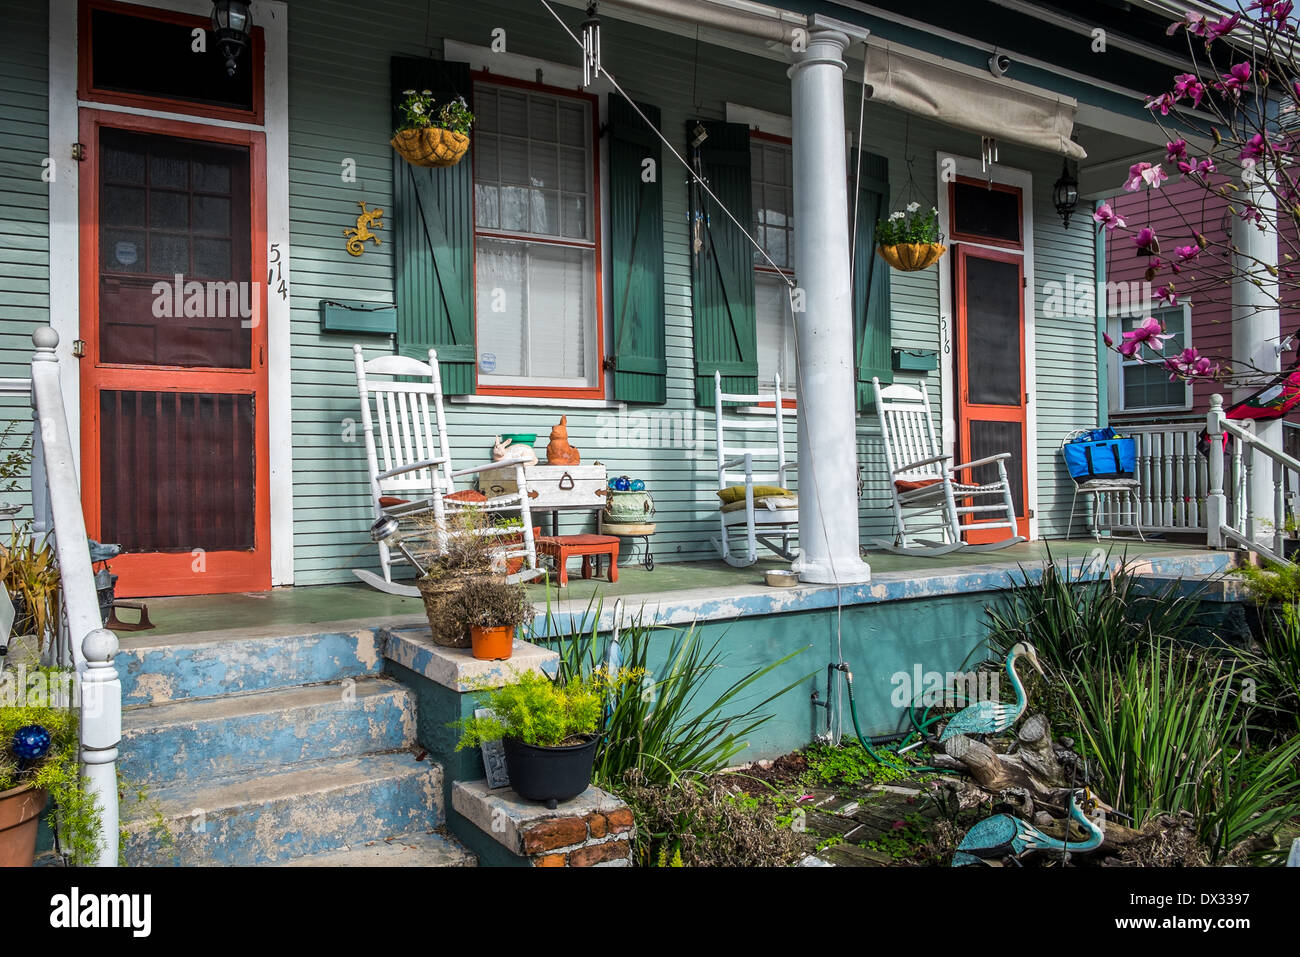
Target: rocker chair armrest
987 460
412 467
491 467
921 463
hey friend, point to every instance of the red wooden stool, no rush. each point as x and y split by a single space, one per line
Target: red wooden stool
564 547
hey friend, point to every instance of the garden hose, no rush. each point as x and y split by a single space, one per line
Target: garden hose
866 742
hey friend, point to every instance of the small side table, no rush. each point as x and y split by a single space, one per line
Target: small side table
641 530
589 547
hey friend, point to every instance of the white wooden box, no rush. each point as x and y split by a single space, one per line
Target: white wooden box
557 486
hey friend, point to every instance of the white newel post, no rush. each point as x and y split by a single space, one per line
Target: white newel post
90 646
1216 501
828 498
1256 329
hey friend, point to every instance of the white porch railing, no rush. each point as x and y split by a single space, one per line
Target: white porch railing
1231 513
1174 479
82 642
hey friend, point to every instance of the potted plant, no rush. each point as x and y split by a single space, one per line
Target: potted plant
38 762
494 608
910 240
430 135
466 552
548 731
30 572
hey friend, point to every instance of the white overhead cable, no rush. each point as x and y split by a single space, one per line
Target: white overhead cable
663 139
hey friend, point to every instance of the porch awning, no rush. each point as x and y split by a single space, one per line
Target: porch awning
1004 109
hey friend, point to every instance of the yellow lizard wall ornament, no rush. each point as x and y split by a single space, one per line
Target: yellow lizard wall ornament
368 220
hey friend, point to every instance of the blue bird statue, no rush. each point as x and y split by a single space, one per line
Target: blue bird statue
1003 834
992 717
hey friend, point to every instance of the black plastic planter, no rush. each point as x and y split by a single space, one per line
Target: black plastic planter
549 775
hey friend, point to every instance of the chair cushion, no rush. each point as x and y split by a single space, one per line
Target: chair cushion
788 500
388 501
736 493
466 495
905 486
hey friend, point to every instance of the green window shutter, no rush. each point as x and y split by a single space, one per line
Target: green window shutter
637 248
722 271
871 332
433 257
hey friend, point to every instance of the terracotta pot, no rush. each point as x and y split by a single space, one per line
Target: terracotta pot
492 643
20 815
910 257
430 146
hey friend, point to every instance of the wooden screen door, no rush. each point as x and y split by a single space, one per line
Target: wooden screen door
992 393
173 377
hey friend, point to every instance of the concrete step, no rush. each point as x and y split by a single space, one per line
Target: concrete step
203 738
272 816
421 849
155 670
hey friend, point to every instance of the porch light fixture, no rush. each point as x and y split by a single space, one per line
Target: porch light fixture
590 46
231 24
1065 193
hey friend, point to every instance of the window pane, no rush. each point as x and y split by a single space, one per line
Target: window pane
536 312
543 166
514 161
513 116
992 213
485 111
574 128
514 208
775 331
541 119
573 171
544 217
773 202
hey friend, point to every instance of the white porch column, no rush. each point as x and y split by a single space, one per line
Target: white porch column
1256 328
828 500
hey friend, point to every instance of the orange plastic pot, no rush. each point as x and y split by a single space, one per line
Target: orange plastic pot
20 815
492 644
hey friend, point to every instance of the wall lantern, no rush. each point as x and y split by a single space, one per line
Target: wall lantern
231 24
1065 193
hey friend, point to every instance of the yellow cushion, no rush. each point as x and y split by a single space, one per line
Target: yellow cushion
736 493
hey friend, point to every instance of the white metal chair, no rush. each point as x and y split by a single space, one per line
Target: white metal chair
772 520
924 486
411 472
1101 490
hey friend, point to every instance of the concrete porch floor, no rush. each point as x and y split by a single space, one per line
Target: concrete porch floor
711 589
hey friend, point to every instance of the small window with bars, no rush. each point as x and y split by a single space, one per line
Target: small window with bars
1144 383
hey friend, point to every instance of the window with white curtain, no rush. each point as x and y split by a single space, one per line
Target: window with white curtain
535 239
772 189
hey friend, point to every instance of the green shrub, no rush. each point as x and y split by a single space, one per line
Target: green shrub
669 724
536 711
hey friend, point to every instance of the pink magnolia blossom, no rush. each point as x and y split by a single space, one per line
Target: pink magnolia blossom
1235 80
1184 254
1190 364
1175 150
1189 85
1148 174
1222 26
1186 166
1146 240
1255 147
1206 166
1110 343
1107 218
1150 333
1166 294
1164 103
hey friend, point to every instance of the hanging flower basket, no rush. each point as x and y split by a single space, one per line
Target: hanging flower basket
911 257
431 146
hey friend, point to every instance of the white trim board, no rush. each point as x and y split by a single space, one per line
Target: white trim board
967 166
273 17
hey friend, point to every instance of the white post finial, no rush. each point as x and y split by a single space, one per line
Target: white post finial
101 733
46 340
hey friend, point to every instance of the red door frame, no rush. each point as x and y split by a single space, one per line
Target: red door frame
984 412
180 573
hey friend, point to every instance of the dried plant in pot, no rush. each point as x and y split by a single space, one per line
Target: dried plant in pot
464 553
430 135
494 608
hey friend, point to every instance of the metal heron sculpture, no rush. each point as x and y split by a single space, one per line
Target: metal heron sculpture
1003 834
991 717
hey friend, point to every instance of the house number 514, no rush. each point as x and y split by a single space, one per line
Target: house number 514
274 275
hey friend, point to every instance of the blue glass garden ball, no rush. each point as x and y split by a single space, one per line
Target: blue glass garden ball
31 742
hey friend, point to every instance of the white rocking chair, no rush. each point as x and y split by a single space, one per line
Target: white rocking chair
924 487
411 472
771 520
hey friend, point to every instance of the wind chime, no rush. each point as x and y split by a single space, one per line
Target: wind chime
590 47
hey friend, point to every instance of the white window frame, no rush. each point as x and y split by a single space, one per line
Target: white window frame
1118 363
